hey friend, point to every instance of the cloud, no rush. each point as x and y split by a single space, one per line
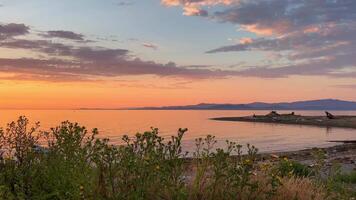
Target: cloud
89 54
246 40
313 45
11 30
195 11
125 3
64 35
73 62
281 17
315 37
335 36
119 67
47 77
150 45
335 66
194 7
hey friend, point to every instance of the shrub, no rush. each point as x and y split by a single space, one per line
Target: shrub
68 167
143 168
19 159
219 174
75 164
346 177
288 167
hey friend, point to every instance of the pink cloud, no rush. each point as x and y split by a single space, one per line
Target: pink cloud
246 40
194 7
279 27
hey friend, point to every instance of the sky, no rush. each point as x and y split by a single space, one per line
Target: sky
65 54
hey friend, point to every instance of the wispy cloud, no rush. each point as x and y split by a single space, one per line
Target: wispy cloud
332 67
125 3
150 45
64 35
349 86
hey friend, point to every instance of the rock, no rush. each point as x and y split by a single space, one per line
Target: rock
274 156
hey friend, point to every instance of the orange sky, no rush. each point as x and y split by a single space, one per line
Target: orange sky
110 94
104 54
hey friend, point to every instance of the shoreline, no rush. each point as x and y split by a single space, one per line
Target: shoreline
306 154
343 152
342 121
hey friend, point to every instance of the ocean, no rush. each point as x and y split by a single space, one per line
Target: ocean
113 124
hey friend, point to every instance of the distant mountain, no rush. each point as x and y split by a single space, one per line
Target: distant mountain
322 104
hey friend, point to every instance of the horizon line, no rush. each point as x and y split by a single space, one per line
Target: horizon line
162 106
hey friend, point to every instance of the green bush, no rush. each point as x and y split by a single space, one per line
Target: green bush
347 177
288 167
70 162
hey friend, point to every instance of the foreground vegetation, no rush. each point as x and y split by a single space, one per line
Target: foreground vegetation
73 163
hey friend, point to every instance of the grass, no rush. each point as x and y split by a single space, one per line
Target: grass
75 164
347 177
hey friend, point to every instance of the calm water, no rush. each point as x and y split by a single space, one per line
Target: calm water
267 137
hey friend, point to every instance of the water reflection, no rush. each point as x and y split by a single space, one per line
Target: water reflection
266 136
328 130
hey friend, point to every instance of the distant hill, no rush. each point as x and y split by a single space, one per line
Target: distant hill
322 104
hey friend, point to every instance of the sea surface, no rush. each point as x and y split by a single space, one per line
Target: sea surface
113 124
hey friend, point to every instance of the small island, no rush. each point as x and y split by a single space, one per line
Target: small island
329 120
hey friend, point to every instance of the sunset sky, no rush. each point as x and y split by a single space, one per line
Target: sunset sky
125 53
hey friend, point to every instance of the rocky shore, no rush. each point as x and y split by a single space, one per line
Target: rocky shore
292 118
343 153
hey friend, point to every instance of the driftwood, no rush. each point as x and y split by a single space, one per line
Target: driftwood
272 114
329 115
344 141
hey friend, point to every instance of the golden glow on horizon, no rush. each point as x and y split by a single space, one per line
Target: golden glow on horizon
150 92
